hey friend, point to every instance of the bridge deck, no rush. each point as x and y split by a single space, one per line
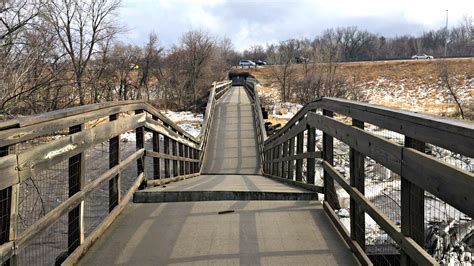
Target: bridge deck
193 233
259 232
232 146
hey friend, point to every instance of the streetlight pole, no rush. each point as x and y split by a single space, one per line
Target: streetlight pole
446 37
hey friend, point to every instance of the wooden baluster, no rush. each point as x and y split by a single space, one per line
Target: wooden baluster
166 150
114 159
291 163
412 206
76 180
181 163
310 148
9 199
299 150
357 175
175 153
328 155
284 170
156 148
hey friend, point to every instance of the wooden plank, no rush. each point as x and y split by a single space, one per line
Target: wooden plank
51 217
73 258
304 155
328 156
311 147
299 150
44 156
443 132
292 132
163 181
58 114
76 180
155 126
354 246
6 251
406 243
377 148
168 156
175 128
452 185
300 184
8 168
28 132
357 176
114 159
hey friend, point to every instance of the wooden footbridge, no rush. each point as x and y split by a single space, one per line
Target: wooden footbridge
342 182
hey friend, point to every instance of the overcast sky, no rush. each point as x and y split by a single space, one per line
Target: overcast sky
248 22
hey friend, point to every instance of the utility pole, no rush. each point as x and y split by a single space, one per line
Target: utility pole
446 37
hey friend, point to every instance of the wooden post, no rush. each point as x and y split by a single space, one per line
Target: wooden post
187 155
328 155
274 165
291 163
166 150
9 199
412 206
299 150
175 162
357 175
156 148
181 163
76 171
311 147
284 165
140 144
114 159
278 156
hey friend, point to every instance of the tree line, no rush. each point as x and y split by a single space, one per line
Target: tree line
57 54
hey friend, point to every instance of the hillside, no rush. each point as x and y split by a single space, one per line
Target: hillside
406 84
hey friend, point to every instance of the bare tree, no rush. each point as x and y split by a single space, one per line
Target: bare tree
446 82
80 25
15 14
150 62
285 72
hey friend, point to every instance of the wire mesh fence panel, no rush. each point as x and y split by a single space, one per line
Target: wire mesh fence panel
389 135
96 208
127 144
383 188
380 247
42 193
5 203
449 233
50 247
97 160
127 177
341 164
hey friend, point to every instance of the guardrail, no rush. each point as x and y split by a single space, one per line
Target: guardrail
217 91
259 121
67 174
417 171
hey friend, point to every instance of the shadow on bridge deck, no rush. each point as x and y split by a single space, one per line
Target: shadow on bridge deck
257 233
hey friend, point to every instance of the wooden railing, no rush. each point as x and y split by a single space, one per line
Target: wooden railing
217 91
420 173
250 86
48 153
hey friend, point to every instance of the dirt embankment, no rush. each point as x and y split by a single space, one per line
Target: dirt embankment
413 85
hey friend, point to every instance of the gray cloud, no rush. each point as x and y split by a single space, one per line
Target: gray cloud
259 22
